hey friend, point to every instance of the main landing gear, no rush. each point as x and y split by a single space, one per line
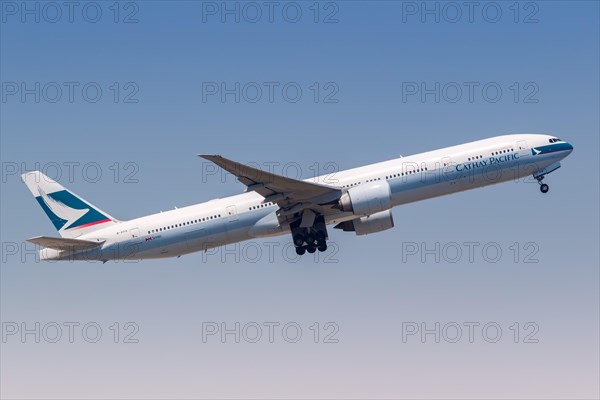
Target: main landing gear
310 239
543 187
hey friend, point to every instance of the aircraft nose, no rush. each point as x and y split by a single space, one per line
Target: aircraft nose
569 147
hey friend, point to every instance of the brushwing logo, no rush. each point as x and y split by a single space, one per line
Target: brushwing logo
61 210
535 152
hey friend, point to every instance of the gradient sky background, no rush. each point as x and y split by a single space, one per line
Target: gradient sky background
368 286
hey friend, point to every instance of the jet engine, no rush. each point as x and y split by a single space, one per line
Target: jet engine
367 199
378 222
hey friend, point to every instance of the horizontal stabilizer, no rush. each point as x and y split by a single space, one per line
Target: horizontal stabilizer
64 244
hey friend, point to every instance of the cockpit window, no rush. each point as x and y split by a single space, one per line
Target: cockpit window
554 140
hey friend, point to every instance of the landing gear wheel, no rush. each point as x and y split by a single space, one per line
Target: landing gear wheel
298 240
320 236
308 238
544 188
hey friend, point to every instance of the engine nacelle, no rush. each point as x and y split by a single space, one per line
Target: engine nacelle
378 222
367 199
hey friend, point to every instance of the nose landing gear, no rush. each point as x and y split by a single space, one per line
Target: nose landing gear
543 187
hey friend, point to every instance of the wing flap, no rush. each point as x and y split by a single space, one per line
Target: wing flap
64 243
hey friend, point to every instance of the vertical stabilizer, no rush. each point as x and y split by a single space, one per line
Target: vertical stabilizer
71 215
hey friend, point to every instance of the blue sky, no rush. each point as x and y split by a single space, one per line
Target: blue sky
131 151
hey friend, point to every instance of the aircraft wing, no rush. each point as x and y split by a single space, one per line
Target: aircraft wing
290 194
64 243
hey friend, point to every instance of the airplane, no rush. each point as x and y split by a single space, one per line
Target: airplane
356 200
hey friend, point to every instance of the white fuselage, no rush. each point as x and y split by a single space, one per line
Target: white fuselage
246 216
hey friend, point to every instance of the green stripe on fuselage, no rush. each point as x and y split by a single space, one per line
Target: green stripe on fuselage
551 148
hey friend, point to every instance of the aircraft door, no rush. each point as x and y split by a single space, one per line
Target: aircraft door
232 213
522 147
130 249
448 172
